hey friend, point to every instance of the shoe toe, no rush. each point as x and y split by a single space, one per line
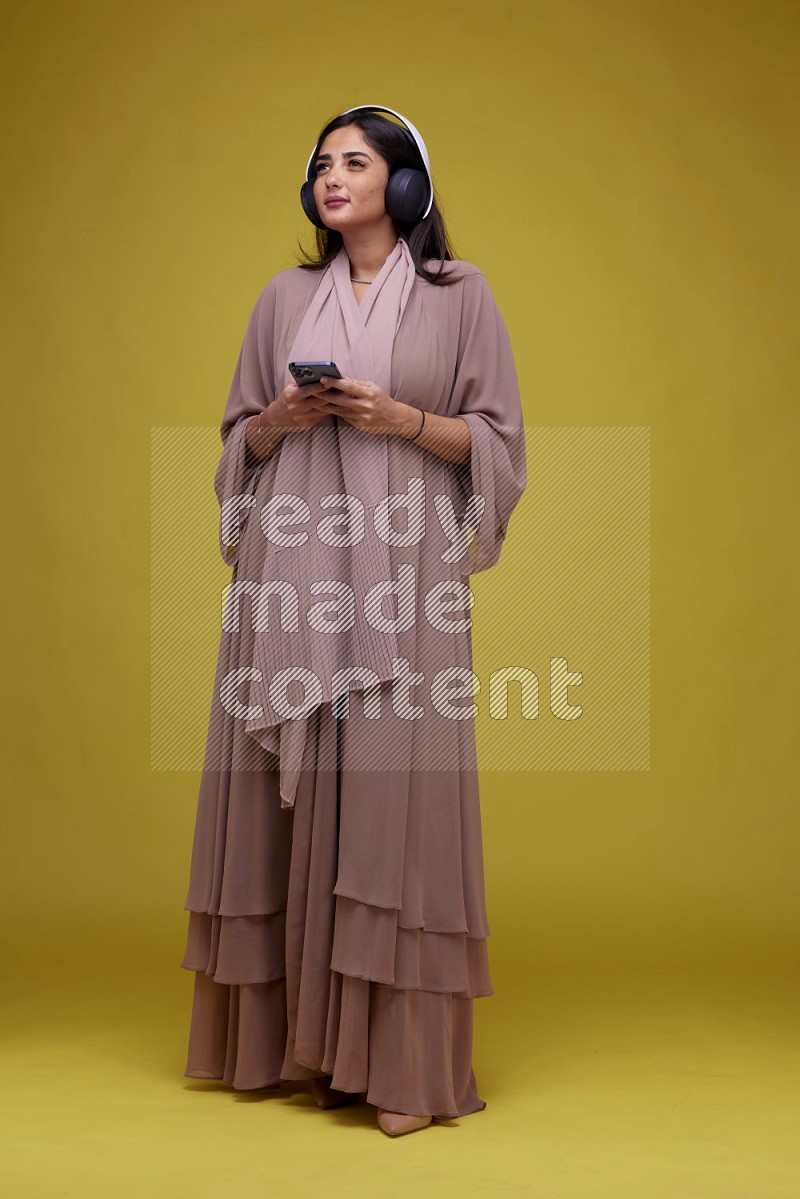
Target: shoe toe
325 1096
396 1124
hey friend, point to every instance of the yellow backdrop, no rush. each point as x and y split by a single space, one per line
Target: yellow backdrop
625 176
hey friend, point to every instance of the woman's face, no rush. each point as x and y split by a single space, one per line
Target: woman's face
351 172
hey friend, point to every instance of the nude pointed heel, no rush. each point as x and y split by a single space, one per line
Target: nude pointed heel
396 1124
325 1096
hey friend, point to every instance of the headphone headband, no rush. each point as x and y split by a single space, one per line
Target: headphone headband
415 135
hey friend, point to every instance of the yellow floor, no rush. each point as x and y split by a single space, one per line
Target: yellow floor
600 1083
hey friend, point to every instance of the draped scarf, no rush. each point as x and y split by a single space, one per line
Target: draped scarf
321 465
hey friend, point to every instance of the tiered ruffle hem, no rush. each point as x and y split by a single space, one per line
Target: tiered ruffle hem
299 972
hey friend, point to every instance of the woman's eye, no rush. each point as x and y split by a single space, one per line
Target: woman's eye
355 162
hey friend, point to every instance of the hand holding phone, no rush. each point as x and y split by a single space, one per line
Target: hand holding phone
304 373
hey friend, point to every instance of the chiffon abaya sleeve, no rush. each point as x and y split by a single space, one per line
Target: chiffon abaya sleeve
486 395
250 392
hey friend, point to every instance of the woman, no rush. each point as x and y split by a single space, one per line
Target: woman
337 921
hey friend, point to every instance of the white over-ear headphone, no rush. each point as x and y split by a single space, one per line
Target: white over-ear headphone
409 193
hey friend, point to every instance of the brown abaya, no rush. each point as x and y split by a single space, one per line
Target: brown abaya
343 931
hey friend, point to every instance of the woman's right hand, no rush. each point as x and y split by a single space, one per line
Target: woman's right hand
295 409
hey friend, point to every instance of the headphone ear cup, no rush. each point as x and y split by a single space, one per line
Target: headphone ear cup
406 195
405 200
310 205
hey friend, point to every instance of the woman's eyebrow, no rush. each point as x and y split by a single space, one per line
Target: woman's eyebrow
347 154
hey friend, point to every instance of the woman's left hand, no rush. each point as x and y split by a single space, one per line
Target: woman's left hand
365 405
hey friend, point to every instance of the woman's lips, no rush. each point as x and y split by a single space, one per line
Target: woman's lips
335 203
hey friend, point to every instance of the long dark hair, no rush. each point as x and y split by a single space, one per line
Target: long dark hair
427 239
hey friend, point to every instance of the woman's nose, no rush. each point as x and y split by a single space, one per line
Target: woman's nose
332 176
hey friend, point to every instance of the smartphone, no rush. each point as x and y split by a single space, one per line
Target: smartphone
312 372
